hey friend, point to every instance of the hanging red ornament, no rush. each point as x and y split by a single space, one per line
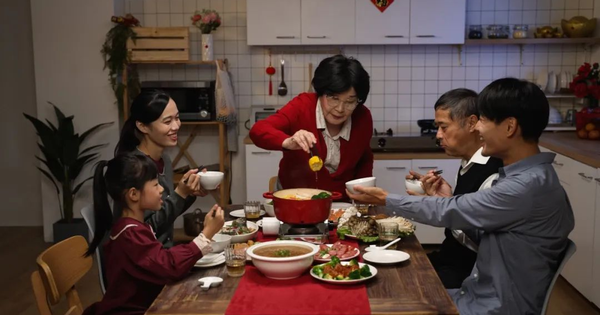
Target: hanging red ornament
382 5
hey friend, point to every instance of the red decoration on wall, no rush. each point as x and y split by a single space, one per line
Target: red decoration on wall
382 5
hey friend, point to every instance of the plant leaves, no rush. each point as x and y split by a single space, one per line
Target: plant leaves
80 163
54 167
76 189
86 150
89 131
46 134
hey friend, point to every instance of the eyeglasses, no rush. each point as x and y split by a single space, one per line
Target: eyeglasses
334 101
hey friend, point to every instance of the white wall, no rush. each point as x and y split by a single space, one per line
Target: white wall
20 191
67 38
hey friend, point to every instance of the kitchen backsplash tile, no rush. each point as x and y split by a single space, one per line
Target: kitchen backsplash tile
406 80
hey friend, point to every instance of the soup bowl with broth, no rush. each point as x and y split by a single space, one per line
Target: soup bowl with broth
282 260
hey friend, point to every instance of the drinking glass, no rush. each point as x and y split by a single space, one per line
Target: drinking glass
388 231
252 210
235 259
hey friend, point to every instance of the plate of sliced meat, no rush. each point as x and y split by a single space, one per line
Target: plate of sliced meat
341 251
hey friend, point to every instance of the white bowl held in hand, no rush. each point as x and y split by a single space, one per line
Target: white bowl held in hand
210 180
220 241
269 208
364 182
414 185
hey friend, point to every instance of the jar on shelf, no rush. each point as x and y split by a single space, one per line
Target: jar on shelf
475 32
498 31
520 31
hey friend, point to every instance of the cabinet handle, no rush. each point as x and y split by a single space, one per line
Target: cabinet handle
597 179
393 168
316 37
586 177
426 167
285 37
425 36
557 164
261 152
394 36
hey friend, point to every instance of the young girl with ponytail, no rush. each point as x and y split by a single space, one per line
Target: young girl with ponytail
153 126
137 264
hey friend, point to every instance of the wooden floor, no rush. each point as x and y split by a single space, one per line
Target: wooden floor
19 247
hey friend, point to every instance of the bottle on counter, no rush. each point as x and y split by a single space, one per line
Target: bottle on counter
520 31
475 32
498 31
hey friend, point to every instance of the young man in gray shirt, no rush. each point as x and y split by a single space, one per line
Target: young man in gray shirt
525 217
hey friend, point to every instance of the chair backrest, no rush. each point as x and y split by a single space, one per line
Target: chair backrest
272 183
569 251
40 297
88 216
60 267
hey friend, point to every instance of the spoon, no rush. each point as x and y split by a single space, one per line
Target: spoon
282 90
207 282
376 248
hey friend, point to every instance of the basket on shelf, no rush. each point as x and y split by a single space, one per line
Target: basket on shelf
160 44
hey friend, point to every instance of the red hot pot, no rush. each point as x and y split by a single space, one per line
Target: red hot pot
294 206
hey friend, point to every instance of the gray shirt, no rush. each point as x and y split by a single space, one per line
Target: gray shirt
525 218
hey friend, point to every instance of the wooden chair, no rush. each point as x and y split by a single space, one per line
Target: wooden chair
272 183
60 267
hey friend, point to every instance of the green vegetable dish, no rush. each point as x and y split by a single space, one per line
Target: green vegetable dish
335 270
322 195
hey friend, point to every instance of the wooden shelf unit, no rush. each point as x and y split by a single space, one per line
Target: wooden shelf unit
224 156
533 41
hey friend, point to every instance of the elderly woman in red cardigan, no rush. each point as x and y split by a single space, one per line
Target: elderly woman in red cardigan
333 120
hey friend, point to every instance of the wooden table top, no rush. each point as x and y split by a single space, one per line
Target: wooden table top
411 287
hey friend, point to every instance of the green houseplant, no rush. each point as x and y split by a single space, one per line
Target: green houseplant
64 159
116 58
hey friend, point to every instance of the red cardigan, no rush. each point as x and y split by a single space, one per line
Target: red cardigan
356 158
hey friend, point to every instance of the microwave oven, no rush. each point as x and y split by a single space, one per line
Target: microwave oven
195 99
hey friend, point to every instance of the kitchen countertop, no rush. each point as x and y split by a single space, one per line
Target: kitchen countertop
567 144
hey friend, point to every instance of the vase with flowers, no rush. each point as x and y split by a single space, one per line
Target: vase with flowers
206 21
586 86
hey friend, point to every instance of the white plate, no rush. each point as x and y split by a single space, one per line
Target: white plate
373 274
356 250
244 237
350 236
216 262
542 80
385 256
552 83
241 214
259 223
340 205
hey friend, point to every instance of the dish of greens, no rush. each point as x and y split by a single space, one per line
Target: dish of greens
347 272
322 195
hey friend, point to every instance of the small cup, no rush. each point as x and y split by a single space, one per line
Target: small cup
388 231
363 209
235 259
270 226
252 210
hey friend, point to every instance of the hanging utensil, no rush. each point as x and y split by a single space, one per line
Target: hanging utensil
282 90
270 72
310 76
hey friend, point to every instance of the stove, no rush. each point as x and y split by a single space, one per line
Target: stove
314 233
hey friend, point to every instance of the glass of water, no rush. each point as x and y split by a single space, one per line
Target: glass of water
388 231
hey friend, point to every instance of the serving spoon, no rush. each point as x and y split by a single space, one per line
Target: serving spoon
375 248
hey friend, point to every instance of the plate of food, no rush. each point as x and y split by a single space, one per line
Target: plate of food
239 231
343 272
337 210
337 249
362 228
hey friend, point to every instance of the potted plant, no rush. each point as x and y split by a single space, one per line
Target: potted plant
586 86
64 160
116 58
206 21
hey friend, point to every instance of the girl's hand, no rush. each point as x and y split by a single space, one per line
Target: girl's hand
201 192
188 183
213 222
301 140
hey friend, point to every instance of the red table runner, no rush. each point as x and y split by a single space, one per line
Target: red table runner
259 295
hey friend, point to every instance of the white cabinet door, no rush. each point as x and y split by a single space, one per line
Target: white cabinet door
596 259
449 166
582 195
261 165
437 21
388 27
327 22
391 174
273 22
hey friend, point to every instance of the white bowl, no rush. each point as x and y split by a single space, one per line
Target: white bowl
210 180
244 237
270 209
414 185
220 242
285 267
364 182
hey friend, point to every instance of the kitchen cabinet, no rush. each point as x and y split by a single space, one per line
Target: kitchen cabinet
273 22
426 26
328 22
392 173
388 27
596 254
261 165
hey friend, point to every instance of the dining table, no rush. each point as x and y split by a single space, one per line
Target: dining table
409 287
